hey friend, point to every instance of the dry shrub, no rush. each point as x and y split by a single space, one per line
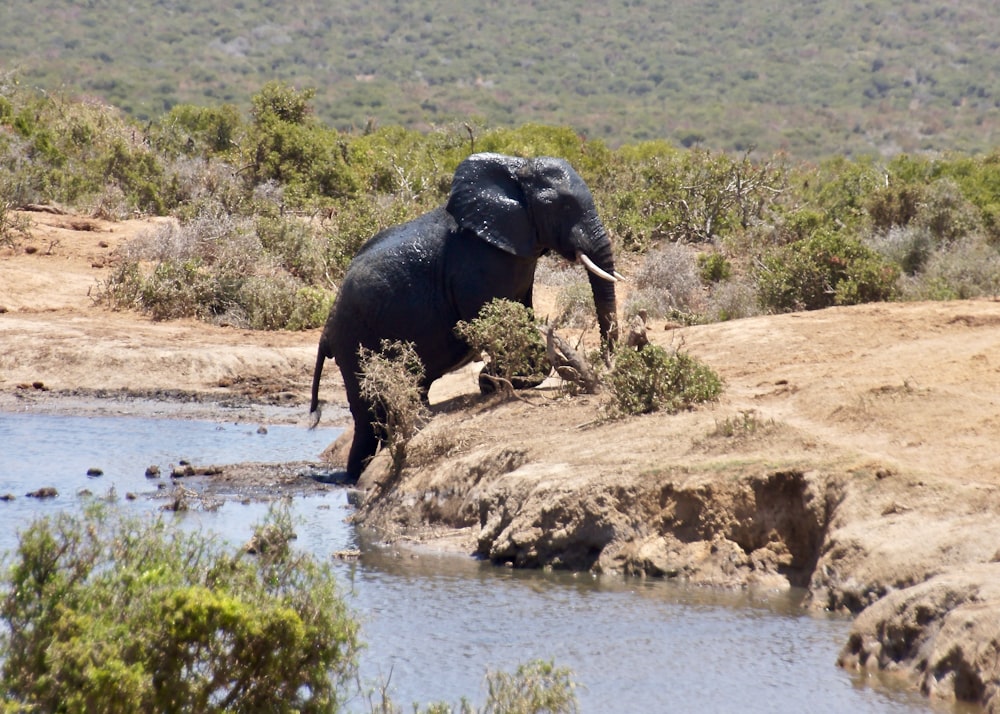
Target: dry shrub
965 269
390 382
667 282
733 299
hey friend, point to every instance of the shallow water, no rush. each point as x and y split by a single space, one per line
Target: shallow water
434 623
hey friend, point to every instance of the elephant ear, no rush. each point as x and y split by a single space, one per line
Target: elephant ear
488 199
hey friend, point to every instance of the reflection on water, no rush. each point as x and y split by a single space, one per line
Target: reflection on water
434 623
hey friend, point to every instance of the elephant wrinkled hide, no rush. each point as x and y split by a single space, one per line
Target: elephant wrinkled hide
415 281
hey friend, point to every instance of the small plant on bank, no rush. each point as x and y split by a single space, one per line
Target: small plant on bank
536 687
651 379
109 612
745 424
505 331
390 381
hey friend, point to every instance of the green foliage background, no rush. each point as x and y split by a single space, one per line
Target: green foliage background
272 204
813 79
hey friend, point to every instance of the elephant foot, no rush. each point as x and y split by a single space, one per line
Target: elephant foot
335 477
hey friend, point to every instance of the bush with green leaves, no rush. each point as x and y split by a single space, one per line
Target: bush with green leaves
536 687
506 333
652 379
828 268
653 192
288 145
106 611
391 382
72 152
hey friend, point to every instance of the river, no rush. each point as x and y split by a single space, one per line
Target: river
434 623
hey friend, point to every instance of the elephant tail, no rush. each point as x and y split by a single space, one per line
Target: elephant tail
315 410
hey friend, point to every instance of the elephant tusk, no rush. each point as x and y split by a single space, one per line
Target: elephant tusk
592 267
619 276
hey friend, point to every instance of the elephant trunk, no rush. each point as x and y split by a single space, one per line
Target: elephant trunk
603 286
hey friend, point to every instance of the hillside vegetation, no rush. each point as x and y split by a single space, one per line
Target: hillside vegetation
812 79
271 207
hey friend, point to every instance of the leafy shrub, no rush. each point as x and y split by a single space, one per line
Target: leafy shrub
651 379
826 269
536 687
945 213
654 191
199 131
294 245
839 190
506 333
178 288
108 612
391 381
894 205
713 267
287 145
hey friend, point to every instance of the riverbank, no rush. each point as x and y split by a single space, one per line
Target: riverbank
853 451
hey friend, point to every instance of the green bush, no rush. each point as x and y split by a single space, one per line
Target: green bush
651 379
257 274
654 191
713 267
109 612
826 269
175 289
199 131
505 332
286 144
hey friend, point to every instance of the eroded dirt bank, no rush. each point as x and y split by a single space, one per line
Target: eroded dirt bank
853 452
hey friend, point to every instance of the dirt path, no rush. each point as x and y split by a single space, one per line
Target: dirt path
854 451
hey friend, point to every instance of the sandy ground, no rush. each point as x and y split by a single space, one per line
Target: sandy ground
854 452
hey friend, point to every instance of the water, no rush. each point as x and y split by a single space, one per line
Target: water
434 623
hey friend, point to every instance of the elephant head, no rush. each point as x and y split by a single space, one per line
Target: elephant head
414 282
527 207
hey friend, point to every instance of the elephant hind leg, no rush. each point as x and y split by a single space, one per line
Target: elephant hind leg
366 439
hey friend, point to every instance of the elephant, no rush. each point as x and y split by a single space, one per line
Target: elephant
415 281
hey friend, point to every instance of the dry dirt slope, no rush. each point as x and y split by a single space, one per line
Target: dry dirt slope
854 451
